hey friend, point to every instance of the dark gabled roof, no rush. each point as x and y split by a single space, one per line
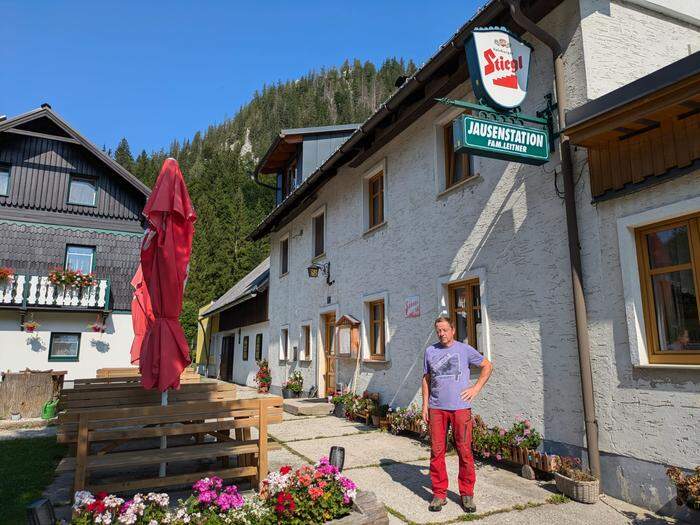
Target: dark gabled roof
285 145
640 88
256 281
441 74
46 112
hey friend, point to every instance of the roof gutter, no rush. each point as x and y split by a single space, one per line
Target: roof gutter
580 314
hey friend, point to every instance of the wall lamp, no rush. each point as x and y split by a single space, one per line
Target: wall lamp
315 269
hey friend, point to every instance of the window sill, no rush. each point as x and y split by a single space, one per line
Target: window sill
376 361
318 257
374 229
284 274
81 204
63 359
668 366
461 184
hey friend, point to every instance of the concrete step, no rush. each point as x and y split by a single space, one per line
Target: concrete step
308 407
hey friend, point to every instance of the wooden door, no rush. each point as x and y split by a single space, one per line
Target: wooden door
328 334
226 368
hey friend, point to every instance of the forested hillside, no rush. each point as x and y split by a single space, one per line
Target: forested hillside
217 163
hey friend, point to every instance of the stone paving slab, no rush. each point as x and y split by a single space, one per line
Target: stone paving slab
364 449
315 427
406 488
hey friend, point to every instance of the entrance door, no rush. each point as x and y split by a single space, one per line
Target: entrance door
328 333
226 369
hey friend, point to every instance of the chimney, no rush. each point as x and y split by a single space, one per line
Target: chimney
3 118
46 105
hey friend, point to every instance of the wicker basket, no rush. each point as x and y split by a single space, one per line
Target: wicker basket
582 491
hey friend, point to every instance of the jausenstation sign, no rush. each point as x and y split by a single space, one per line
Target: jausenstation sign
499 67
499 140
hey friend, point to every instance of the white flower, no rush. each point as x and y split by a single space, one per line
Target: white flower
112 501
83 497
153 522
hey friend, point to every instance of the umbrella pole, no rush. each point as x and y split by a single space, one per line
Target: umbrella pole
163 439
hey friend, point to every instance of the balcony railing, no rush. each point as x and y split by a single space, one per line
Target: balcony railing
34 291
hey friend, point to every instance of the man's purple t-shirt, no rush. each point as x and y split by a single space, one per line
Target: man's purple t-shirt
448 367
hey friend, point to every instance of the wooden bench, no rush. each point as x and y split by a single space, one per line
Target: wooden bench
216 418
133 371
133 394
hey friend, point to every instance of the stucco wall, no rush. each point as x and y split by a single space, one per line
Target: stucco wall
507 226
20 350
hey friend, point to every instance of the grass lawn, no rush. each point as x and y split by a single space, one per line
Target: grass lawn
26 468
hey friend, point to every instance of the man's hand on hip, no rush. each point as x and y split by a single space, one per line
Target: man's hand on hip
470 393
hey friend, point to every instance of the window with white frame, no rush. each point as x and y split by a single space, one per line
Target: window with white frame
305 350
284 344
374 196
319 233
284 255
80 259
375 327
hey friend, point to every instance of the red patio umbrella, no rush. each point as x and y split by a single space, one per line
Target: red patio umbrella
165 255
141 313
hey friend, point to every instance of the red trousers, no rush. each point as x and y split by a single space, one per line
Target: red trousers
461 423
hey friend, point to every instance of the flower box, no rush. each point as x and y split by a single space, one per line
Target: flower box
537 460
581 491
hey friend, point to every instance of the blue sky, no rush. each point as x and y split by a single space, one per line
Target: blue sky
155 71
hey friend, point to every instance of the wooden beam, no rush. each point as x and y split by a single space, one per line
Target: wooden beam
36 134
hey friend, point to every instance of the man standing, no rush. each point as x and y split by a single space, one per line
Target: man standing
447 398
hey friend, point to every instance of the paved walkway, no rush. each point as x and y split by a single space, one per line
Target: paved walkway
395 468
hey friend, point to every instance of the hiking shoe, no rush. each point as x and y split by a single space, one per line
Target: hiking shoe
468 504
437 504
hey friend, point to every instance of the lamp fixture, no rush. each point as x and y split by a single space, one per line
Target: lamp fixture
315 269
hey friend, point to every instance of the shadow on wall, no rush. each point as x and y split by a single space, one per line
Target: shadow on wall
99 345
36 343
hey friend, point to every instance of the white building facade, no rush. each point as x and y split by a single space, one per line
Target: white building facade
491 250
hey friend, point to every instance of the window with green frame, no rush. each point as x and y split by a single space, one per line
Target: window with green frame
64 346
246 343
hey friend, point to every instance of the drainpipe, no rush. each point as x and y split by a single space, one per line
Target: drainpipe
584 352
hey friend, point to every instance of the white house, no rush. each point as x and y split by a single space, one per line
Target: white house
65 204
403 230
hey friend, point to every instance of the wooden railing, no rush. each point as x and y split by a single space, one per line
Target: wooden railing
34 291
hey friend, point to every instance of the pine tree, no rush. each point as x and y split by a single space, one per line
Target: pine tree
123 155
228 204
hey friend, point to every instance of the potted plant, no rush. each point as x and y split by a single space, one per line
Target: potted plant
383 412
294 385
339 401
687 487
6 273
30 326
98 327
576 482
62 277
263 377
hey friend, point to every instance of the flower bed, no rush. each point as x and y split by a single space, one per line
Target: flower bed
311 494
687 487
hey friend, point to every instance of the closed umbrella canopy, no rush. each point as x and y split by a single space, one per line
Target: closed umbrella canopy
141 314
165 256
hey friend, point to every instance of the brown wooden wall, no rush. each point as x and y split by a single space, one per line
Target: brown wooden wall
246 313
675 143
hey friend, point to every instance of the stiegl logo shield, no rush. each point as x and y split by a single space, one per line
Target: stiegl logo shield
499 64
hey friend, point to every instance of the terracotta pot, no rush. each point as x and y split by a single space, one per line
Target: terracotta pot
263 389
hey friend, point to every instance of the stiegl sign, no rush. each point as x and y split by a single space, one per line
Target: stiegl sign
499 66
489 138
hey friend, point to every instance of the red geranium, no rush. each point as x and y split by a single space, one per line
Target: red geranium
285 470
